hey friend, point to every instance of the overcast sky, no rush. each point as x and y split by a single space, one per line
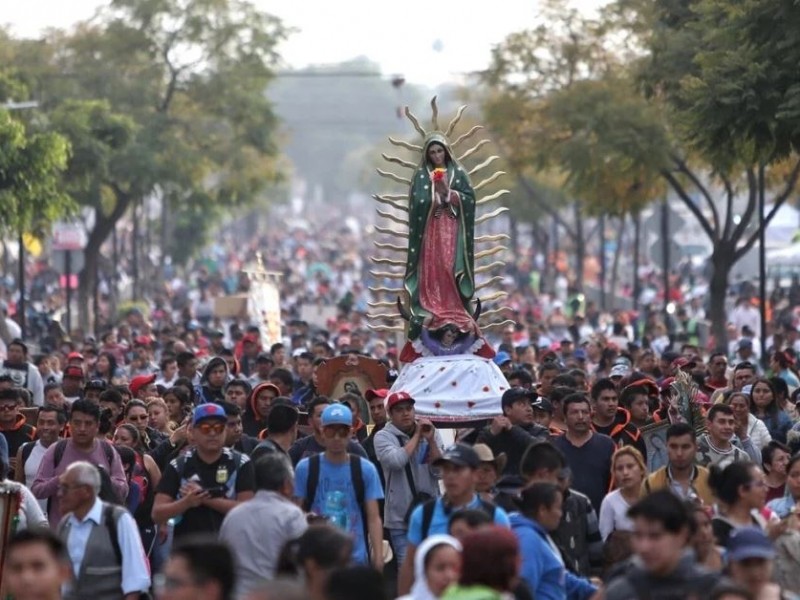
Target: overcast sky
426 46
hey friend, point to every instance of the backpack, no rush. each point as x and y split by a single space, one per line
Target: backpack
429 506
107 492
357 479
141 478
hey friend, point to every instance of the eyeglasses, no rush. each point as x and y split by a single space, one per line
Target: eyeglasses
208 428
757 484
8 407
138 418
332 432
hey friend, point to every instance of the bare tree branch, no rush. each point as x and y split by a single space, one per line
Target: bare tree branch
728 206
777 202
752 201
687 200
534 196
683 168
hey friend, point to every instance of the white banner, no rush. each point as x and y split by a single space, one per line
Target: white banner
264 308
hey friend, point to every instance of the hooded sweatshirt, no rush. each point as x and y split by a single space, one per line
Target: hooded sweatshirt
204 392
18 433
420 590
623 432
253 422
542 566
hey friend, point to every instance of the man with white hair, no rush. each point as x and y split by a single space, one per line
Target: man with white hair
103 543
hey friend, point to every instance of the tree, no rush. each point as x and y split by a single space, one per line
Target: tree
184 84
578 81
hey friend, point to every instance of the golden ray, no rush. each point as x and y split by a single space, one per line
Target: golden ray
397 328
496 311
398 161
495 296
491 215
387 261
484 164
397 205
391 217
485 268
393 176
384 316
466 136
473 150
385 290
452 127
386 275
405 144
382 304
387 231
392 247
495 176
489 252
490 282
415 122
498 324
498 237
390 196
434 114
491 197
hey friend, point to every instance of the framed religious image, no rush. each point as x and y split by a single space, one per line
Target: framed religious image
655 438
351 373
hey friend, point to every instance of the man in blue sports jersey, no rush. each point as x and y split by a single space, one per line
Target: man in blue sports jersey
459 465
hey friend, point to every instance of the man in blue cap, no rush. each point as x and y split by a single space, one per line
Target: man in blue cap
751 562
504 361
344 488
199 488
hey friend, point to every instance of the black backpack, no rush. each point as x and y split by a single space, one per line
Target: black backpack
107 492
357 478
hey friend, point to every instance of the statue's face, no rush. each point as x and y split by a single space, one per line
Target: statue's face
449 337
436 155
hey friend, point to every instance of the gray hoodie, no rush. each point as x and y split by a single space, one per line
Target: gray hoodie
393 459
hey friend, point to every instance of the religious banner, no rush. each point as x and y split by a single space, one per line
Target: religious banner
264 302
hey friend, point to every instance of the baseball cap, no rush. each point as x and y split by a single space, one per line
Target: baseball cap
579 354
666 383
516 394
618 371
542 404
143 340
502 358
670 355
370 395
265 357
96 384
251 338
749 542
74 356
208 411
140 381
297 352
337 414
461 455
485 455
73 372
682 362
396 398
745 343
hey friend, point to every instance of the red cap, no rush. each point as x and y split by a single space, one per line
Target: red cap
143 340
250 337
396 398
74 372
140 381
74 356
370 395
664 385
683 362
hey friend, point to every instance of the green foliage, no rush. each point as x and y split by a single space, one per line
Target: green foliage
30 168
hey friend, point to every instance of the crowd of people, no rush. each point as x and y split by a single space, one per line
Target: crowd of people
194 462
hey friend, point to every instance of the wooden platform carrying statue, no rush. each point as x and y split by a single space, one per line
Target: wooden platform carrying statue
448 368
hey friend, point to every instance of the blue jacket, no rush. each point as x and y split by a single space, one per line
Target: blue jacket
542 568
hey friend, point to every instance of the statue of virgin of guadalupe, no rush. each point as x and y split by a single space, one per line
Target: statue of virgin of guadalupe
439 277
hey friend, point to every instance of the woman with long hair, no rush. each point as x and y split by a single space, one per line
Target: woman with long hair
628 472
437 565
774 462
136 414
764 405
179 404
158 416
705 547
106 368
785 506
313 556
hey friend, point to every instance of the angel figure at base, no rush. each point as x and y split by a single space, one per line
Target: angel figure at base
445 341
439 277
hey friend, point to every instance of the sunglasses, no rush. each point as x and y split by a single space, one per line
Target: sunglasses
207 428
339 432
